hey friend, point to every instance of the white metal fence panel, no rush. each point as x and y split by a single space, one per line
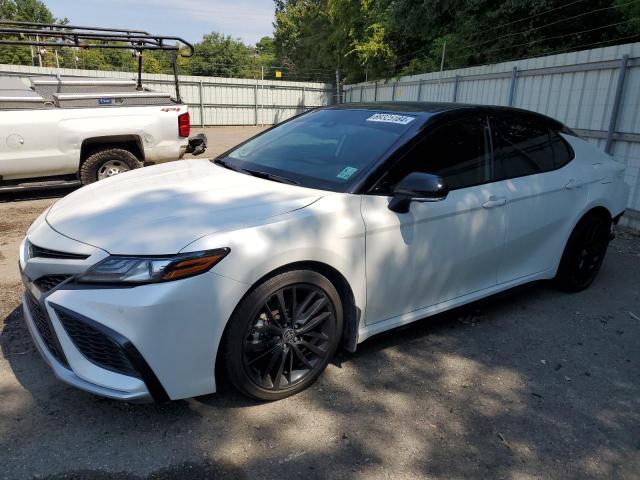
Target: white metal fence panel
215 100
581 89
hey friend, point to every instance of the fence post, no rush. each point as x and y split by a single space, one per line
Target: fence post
512 86
375 92
419 90
255 104
304 94
615 109
201 104
455 88
393 91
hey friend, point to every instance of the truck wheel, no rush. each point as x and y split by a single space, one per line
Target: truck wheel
107 163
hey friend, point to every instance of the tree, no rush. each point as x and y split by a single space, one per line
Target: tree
223 56
22 11
631 14
396 37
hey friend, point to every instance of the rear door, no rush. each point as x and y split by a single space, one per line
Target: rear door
437 251
531 162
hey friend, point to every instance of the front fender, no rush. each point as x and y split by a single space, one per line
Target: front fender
330 231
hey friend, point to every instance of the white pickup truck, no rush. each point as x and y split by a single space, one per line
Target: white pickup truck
62 131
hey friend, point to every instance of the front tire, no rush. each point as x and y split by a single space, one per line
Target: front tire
282 335
107 163
584 253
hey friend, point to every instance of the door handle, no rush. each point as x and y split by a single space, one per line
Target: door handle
494 202
573 183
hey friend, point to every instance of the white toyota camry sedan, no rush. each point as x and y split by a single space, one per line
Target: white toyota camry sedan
336 225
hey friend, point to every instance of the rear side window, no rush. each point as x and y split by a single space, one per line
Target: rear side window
522 146
457 151
562 153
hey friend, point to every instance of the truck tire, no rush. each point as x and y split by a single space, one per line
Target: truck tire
107 163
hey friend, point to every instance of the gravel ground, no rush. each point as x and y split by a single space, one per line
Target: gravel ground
528 384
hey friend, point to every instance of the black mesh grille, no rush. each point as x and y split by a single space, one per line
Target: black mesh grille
41 321
48 282
96 346
40 252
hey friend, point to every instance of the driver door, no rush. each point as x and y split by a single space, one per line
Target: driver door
437 251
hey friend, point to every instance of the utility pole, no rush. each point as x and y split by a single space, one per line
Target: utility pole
262 95
39 52
366 73
338 91
444 48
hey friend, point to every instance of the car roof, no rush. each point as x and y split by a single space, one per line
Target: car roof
412 107
432 110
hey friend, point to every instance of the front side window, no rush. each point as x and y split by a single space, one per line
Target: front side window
521 146
457 151
326 149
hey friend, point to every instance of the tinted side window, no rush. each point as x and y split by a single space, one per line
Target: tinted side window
521 146
562 153
457 151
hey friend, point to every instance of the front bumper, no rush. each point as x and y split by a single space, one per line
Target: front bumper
155 341
135 393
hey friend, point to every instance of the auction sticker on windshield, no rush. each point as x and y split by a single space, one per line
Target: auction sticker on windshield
347 173
390 118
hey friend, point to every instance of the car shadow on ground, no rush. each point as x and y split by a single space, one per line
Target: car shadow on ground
532 382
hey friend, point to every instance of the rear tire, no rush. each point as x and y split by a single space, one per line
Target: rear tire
107 163
584 253
282 335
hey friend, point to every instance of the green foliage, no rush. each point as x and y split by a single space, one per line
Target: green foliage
21 11
383 38
223 56
631 14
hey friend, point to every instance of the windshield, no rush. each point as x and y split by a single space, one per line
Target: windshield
326 149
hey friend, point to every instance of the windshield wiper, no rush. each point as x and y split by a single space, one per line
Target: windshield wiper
255 173
225 164
269 176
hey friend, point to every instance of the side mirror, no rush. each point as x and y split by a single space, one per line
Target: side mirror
419 187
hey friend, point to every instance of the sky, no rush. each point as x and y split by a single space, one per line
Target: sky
248 20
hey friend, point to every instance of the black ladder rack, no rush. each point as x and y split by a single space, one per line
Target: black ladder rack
74 36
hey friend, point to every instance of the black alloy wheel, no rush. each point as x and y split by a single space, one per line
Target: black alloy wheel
584 253
290 333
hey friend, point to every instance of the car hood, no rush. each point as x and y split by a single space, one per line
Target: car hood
161 209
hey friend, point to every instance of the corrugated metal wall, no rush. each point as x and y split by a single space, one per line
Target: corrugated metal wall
215 100
577 88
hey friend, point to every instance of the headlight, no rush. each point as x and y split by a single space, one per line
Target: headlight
140 270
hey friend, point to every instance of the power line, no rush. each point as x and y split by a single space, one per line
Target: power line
512 22
424 57
492 40
549 24
534 16
544 39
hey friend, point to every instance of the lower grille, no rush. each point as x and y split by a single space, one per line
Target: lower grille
49 282
97 347
45 329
